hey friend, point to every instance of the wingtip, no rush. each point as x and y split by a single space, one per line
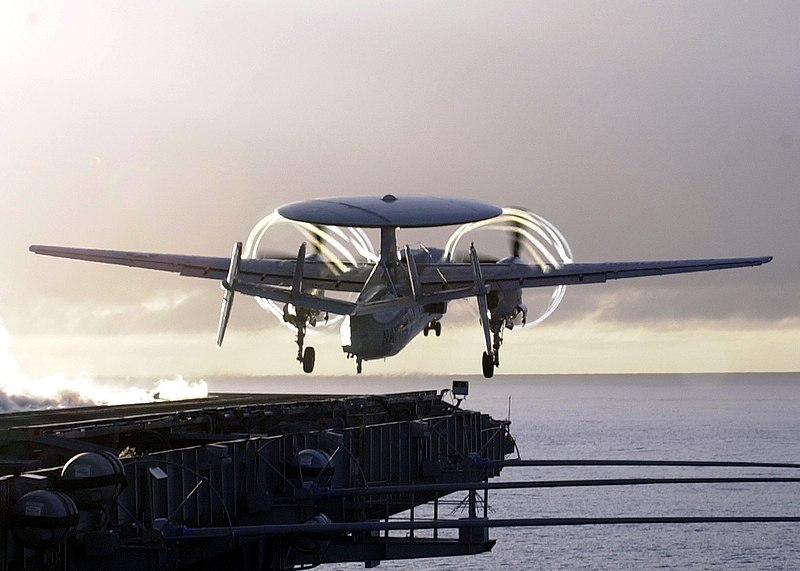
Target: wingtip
42 249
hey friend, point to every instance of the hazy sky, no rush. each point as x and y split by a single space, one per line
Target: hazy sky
642 130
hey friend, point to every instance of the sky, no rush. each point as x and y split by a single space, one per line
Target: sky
642 130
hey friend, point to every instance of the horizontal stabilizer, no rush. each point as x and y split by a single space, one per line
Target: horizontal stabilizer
306 300
406 302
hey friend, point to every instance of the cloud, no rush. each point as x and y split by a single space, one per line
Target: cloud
700 298
122 312
642 130
19 391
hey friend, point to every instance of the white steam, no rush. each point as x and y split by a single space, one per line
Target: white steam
19 391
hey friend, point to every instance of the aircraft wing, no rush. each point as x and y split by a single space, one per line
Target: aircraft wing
261 272
504 275
440 282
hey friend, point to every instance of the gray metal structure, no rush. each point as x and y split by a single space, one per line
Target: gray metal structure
241 481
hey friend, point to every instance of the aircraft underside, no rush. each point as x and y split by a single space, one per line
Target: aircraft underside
373 337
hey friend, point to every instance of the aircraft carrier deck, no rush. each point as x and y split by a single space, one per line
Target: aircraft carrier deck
245 481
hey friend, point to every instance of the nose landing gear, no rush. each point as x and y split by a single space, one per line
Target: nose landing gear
488 365
435 326
300 318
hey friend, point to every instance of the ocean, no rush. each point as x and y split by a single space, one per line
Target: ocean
734 417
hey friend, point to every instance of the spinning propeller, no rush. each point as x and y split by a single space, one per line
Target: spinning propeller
531 239
516 239
338 247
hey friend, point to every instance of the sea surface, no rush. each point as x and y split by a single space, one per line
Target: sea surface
735 417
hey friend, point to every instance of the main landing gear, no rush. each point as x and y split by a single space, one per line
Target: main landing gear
497 325
300 318
491 323
489 364
492 360
309 356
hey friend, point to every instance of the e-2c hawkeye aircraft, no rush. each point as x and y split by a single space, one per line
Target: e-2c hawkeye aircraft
401 293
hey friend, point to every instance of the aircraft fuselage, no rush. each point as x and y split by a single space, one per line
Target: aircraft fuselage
384 334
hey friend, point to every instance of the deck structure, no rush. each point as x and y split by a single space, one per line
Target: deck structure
245 481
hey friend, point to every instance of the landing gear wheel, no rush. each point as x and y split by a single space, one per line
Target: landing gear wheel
488 365
426 330
309 356
358 367
437 328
